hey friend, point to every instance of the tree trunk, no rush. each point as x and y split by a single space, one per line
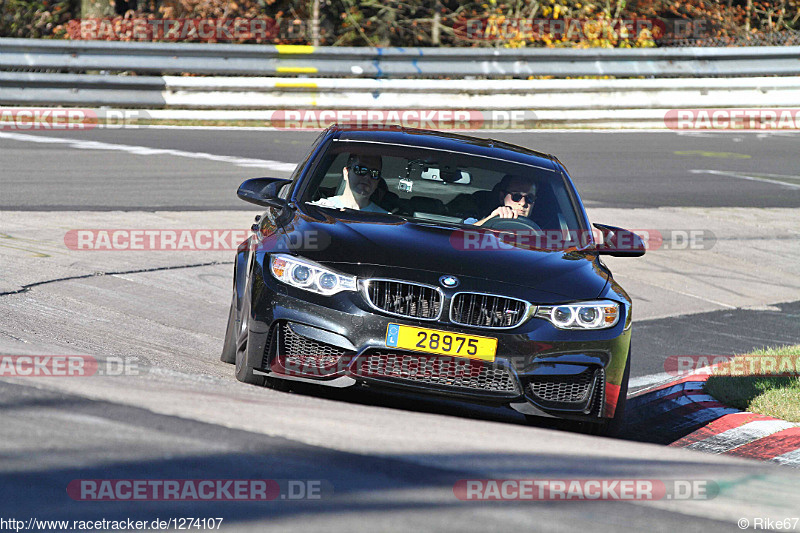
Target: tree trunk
436 28
315 24
749 14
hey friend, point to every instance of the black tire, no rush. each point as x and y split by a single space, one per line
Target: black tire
244 372
229 345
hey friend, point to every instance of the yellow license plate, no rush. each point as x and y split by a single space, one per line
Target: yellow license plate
441 342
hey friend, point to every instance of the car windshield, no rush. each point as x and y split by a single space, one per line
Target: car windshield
425 184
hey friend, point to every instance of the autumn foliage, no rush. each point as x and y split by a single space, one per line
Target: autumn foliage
490 23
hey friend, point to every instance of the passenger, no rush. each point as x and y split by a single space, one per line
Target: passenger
516 194
361 176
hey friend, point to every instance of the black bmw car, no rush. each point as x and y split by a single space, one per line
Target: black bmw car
435 263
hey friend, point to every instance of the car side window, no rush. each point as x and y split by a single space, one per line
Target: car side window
286 189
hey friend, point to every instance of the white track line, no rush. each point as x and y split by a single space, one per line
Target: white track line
742 176
146 150
652 379
644 382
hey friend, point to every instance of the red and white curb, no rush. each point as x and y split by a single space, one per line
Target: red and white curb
748 435
681 405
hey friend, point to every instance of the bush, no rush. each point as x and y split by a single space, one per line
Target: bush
448 22
33 18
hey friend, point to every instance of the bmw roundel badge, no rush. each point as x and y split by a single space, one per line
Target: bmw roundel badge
449 281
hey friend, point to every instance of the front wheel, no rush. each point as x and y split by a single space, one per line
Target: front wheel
244 372
229 345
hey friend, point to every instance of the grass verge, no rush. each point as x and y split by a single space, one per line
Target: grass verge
765 382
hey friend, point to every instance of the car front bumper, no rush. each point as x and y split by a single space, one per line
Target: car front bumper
538 370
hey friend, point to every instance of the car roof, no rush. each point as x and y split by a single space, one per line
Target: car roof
440 140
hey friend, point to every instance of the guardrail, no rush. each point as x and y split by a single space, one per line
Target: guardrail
649 81
253 93
271 60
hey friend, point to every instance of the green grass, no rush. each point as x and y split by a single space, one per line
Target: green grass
771 395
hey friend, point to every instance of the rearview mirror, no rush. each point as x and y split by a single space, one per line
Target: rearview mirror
263 192
618 242
447 175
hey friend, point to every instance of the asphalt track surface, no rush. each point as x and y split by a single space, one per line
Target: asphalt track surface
612 169
391 460
72 437
159 169
725 332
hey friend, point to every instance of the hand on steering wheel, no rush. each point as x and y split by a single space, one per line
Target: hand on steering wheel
503 211
517 223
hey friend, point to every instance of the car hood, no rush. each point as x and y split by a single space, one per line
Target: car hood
376 239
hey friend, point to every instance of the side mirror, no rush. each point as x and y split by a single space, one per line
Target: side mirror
619 242
263 192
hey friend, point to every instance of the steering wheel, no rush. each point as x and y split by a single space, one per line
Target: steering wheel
521 223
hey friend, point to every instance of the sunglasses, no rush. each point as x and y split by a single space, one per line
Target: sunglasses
517 196
363 171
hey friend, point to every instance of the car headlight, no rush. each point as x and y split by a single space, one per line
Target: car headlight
583 315
308 275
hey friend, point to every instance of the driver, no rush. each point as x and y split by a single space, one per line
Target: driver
516 194
361 176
